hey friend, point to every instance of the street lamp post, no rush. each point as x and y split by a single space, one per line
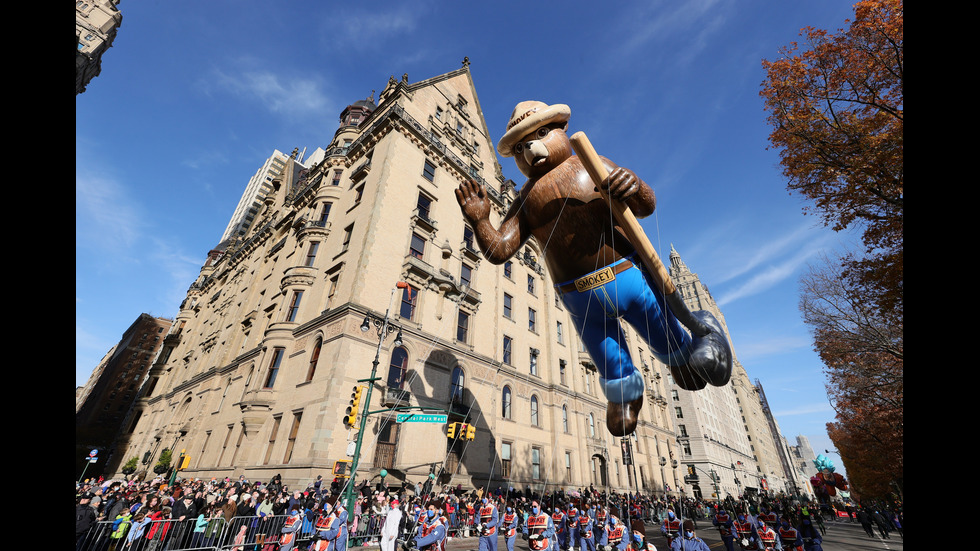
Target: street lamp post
384 328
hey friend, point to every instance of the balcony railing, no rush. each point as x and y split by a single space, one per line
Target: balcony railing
395 397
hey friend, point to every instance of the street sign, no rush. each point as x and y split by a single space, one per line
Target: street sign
421 418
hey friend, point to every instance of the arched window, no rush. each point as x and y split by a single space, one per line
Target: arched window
534 410
456 396
564 418
397 368
591 426
314 358
505 403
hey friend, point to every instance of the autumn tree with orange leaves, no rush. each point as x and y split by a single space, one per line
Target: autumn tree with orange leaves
864 357
836 108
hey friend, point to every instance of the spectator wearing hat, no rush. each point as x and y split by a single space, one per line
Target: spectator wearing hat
689 540
640 536
85 517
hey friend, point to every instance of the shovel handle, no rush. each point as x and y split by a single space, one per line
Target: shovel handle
624 216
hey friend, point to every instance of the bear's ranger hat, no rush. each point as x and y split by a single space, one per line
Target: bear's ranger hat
527 116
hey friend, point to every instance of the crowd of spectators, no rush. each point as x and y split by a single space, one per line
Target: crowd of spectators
121 515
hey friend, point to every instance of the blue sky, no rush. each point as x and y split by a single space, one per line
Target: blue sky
194 96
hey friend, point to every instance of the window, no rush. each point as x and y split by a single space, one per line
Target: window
568 466
682 429
311 253
439 113
429 171
678 413
588 383
536 463
591 425
336 177
534 411
348 232
272 439
468 238
465 275
397 368
423 207
294 306
530 284
410 296
508 306
359 193
508 345
505 459
458 380
562 365
314 358
508 269
292 437
560 333
676 397
224 446
533 361
277 354
505 403
532 320
417 249
462 326
332 289
459 128
564 419
325 215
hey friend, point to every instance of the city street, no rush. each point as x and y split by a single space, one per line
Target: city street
841 536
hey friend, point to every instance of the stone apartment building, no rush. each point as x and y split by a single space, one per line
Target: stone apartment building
267 346
96 24
103 403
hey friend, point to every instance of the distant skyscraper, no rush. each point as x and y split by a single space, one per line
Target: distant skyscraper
251 202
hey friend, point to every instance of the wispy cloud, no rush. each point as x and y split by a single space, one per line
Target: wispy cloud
805 409
293 96
106 216
663 21
749 352
770 277
773 262
181 269
205 158
369 27
767 252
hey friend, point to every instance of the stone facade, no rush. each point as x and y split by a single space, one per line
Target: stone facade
96 23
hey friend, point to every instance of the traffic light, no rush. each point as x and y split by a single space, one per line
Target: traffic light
350 418
451 430
470 432
341 468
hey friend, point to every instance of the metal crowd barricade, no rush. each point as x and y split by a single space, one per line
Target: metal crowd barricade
243 533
